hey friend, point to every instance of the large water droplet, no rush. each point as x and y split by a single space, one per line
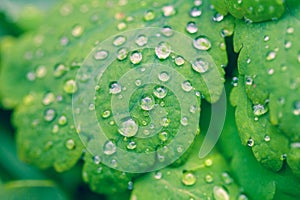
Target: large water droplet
147 103
160 92
200 65
128 128
259 109
70 86
49 115
109 148
202 43
136 57
191 27
164 76
163 50
115 88
188 179
220 193
101 55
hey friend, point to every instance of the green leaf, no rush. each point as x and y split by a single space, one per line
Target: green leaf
46 133
268 65
196 179
256 11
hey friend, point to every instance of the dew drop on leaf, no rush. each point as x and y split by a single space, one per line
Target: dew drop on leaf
119 40
48 98
168 10
158 175
220 193
96 160
70 86
271 55
115 88
147 103
267 138
202 43
49 115
100 55
179 61
188 179
163 136
167 31
131 145
160 92
186 86
226 178
70 144
259 109
199 65
128 128
77 31
163 76
59 70
191 27
130 185
109 148
195 12
106 114
163 50
122 54
296 109
41 71
208 178
149 15
218 17
62 120
250 142
208 162
136 57
141 40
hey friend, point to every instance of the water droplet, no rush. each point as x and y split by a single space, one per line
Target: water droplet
234 81
109 148
121 26
242 197
193 108
138 82
168 11
296 109
179 61
70 144
48 99
131 145
55 129
130 185
165 122
220 193
249 80
200 65
77 31
92 107
59 70
250 142
119 40
226 178
283 157
149 15
202 43
191 27
128 128
195 12
70 86
209 178
122 53
198 2
49 115
186 86
259 109
106 114
64 41
101 55
163 76
115 88
208 162
147 103
218 17
179 149
184 121
30 76
96 160
158 175
160 92
141 40
136 57
271 55
188 179
163 50
287 44
41 71
167 31
62 120
163 136
290 30
266 38
267 138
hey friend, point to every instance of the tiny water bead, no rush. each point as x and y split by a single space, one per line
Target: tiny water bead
59 70
62 120
164 76
218 17
296 109
168 11
200 65
188 179
234 81
100 55
121 26
191 27
49 115
250 142
41 71
208 178
163 136
163 50
30 76
267 138
138 82
115 88
109 148
195 12
136 57
70 86
226 178
119 40
259 109
186 86
131 145
141 40
242 197
48 99
179 61
249 80
160 92
158 175
202 43
184 121
149 15
77 31
128 128
105 114
96 160
167 31
130 185
220 193
70 144
208 162
165 121
271 55
147 103
122 54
